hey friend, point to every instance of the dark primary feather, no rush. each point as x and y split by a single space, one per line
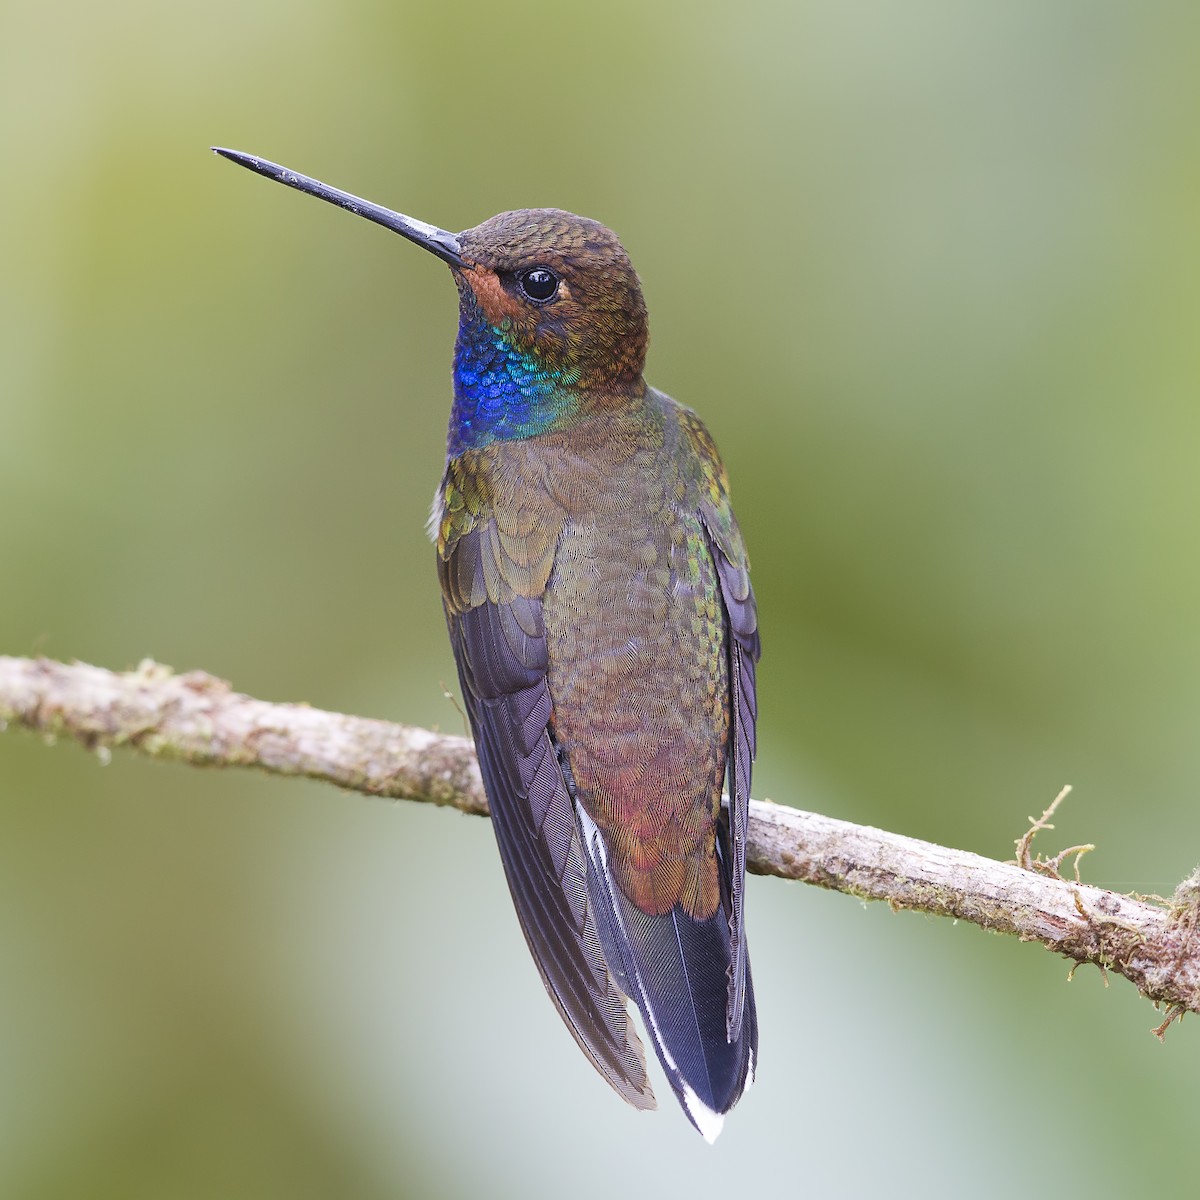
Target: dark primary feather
501 652
744 651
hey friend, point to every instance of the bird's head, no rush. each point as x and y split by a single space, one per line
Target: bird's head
560 289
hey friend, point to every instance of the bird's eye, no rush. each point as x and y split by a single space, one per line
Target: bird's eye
538 284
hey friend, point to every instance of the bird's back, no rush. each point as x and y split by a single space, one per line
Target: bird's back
638 662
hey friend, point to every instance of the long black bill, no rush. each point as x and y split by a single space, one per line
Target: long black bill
437 241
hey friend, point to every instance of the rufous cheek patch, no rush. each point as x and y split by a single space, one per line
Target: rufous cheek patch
497 304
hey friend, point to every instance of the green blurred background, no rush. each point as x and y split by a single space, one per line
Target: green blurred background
931 273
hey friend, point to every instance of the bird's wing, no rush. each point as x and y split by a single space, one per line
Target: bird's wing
492 583
733 571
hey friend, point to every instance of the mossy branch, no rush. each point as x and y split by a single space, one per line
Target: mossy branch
199 719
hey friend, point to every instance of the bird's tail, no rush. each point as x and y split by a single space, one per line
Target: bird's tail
676 969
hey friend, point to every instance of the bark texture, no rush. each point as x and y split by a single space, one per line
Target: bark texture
199 719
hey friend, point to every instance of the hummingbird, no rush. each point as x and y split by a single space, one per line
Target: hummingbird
597 594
